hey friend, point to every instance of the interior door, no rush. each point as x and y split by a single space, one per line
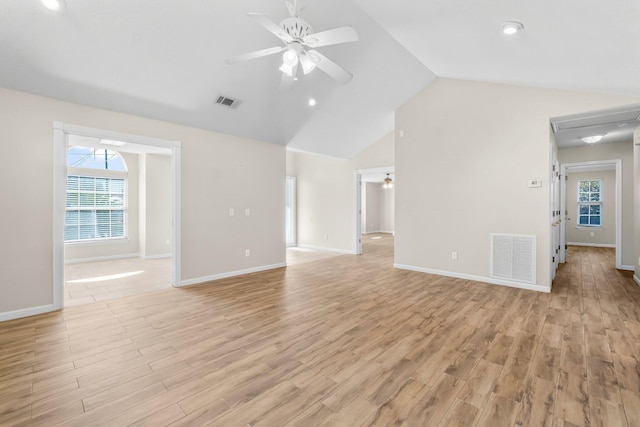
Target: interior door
555 218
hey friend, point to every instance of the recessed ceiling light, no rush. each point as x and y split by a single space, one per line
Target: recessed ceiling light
592 139
511 27
52 4
312 102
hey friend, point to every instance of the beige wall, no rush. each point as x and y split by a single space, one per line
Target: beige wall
218 172
622 151
75 252
378 208
156 232
379 154
326 202
601 236
372 206
388 210
462 168
326 193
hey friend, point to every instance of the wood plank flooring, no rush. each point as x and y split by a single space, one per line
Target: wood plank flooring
345 341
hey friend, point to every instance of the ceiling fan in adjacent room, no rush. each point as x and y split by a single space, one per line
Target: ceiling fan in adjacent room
299 46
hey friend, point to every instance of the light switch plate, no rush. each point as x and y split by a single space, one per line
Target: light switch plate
535 183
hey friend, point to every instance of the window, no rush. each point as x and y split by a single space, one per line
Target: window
590 203
96 195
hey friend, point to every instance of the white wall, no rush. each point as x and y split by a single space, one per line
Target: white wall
156 230
75 252
601 236
624 151
462 170
218 172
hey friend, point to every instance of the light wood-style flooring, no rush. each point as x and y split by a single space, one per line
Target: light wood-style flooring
344 341
96 281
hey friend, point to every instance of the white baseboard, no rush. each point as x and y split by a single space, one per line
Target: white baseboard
26 312
157 256
211 278
378 232
627 267
592 245
490 280
101 258
636 279
321 248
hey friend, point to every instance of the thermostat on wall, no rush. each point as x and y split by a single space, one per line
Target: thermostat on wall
533 183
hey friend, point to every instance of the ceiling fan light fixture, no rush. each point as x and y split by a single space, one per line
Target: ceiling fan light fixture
511 27
290 58
388 182
307 63
52 4
593 139
286 69
312 102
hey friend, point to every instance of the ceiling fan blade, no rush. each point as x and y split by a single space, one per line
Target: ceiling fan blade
331 68
329 37
256 54
271 26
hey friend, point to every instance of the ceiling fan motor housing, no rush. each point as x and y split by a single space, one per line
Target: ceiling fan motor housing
297 28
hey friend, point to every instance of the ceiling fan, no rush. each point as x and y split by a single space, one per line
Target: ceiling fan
299 43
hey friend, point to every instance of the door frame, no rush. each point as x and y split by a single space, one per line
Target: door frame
294 210
618 204
61 132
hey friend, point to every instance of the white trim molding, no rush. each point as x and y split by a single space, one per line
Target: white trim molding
637 279
489 280
323 249
101 258
159 256
592 245
200 280
26 312
627 267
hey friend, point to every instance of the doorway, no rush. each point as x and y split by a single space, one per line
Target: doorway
87 227
591 219
375 207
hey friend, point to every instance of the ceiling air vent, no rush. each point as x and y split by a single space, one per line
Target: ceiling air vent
227 102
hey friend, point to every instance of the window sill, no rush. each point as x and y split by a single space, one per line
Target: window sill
96 242
589 227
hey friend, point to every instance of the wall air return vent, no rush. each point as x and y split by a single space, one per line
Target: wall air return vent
513 257
227 102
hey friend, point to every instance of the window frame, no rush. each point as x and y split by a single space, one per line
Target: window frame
589 204
103 173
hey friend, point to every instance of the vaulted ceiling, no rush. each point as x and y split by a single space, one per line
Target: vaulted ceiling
164 59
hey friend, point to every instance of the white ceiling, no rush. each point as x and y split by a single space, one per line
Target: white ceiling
164 59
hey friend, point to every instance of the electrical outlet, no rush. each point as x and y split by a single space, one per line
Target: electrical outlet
592 234
247 212
232 212
454 255
326 237
247 252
